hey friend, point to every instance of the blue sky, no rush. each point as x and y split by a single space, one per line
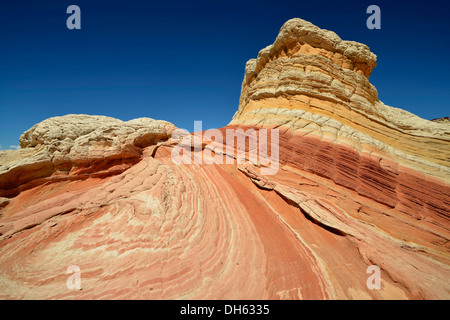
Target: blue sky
184 61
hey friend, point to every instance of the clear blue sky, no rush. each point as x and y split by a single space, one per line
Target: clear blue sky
184 61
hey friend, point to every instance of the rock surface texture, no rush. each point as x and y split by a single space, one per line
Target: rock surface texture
359 183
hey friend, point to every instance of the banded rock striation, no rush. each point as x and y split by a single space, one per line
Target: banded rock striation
359 183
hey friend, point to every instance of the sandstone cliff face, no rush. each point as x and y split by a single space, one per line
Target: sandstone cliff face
359 183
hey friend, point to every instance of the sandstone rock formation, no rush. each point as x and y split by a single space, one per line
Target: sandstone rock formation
77 145
359 184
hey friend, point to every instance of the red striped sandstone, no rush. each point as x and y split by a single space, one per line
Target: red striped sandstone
359 183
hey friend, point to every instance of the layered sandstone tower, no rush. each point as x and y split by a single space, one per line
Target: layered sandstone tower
309 81
314 87
359 184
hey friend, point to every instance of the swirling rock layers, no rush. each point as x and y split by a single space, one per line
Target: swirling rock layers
358 184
